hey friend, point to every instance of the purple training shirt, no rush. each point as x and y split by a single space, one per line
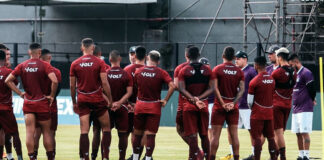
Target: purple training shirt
249 74
302 102
271 68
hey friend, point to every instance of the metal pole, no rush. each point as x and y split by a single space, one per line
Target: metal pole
211 26
284 19
245 26
35 25
41 23
15 54
126 28
177 54
277 21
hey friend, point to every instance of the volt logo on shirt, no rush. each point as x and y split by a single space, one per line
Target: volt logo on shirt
1 77
145 74
267 81
88 64
114 76
230 72
193 71
28 69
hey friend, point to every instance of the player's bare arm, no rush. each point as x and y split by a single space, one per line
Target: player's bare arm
209 91
171 89
54 86
176 83
11 84
73 91
240 93
106 86
250 100
116 105
218 95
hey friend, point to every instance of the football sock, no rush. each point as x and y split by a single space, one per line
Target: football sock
257 148
106 140
122 145
84 145
1 151
236 157
272 149
193 147
301 153
31 156
17 144
205 146
137 146
150 145
231 149
50 155
282 152
252 150
148 158
212 157
306 153
135 156
9 156
8 143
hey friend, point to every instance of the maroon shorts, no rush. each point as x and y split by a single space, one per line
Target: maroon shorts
40 116
8 122
37 106
195 122
54 121
119 119
147 122
98 108
280 117
179 120
262 127
219 116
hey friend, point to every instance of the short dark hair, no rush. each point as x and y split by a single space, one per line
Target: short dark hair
293 57
34 46
97 50
45 52
87 42
140 53
114 55
188 46
261 61
2 46
283 55
2 55
154 56
228 53
193 53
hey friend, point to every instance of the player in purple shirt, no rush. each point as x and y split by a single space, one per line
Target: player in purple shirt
303 102
272 58
244 111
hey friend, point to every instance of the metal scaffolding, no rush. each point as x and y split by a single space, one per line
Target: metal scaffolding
298 24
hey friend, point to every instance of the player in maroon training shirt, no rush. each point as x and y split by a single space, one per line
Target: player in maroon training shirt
140 54
8 121
261 89
229 88
47 57
149 80
179 117
96 125
196 84
285 78
89 77
34 73
121 84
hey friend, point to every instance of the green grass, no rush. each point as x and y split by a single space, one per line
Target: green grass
169 146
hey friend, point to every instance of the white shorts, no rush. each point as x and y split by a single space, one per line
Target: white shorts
244 118
302 122
210 110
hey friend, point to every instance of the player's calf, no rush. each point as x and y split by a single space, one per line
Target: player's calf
106 136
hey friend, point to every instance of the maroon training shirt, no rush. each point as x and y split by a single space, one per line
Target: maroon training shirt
118 80
176 75
229 77
149 80
131 69
86 70
262 87
5 91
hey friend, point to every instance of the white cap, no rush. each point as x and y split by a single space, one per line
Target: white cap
282 50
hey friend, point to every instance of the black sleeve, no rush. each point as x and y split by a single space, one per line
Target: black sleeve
58 89
311 89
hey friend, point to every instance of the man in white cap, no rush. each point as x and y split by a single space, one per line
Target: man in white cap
285 79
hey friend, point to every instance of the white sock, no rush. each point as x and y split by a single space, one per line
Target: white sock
135 156
306 153
301 153
9 156
252 150
148 158
231 149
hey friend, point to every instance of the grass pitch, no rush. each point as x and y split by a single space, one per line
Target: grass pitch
169 146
